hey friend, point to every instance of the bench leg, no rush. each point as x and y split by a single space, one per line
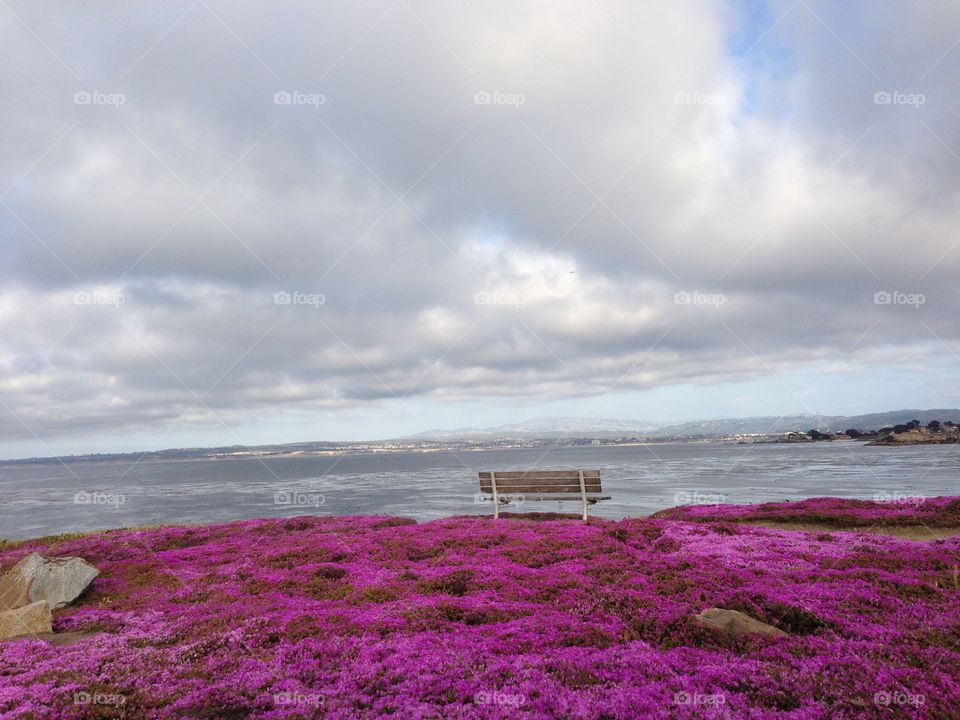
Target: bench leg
496 496
583 496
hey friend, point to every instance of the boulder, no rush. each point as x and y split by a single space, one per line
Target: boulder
32 619
59 581
737 623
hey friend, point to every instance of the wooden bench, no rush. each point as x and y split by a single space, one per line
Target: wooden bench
537 485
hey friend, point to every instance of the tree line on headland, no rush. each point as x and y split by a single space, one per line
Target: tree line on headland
910 433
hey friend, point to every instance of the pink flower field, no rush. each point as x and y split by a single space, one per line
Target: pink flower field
920 511
368 617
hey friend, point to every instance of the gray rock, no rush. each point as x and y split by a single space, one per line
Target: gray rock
737 623
32 619
59 581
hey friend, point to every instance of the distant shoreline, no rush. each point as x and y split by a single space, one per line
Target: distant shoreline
140 459
544 433
453 447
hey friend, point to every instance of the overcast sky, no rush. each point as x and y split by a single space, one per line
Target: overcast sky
227 222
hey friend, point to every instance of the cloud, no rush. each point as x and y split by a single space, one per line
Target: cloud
532 246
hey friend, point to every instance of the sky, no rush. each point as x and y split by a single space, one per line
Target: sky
243 223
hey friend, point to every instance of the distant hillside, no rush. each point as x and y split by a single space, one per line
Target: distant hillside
609 428
546 428
743 426
873 421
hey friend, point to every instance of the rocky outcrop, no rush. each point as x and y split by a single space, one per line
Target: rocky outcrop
31 619
58 581
918 437
735 622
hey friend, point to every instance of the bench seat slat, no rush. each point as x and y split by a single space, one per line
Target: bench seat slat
594 488
541 481
544 474
590 498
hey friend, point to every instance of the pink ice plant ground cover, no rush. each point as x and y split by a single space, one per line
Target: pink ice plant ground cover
365 617
894 511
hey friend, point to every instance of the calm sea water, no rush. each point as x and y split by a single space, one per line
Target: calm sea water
42 500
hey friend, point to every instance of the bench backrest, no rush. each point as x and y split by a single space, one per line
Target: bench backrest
541 482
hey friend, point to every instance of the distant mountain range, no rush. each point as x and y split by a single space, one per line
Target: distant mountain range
539 429
606 428
546 427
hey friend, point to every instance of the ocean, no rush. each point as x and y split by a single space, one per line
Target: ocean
49 499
